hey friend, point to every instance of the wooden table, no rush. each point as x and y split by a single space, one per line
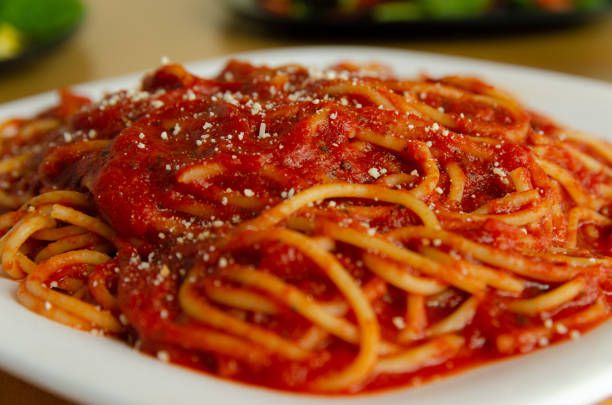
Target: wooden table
119 37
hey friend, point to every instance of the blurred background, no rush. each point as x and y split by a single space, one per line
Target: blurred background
47 44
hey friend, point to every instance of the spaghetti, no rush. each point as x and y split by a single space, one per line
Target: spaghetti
325 231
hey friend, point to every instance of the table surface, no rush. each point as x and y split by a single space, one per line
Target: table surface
119 37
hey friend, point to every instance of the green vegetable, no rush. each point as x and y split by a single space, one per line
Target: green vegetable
578 4
455 8
399 11
41 20
589 4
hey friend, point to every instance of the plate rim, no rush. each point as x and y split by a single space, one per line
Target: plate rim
53 383
524 69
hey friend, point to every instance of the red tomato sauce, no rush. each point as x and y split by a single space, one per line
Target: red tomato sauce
273 149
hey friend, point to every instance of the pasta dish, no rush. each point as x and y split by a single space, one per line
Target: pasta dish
329 231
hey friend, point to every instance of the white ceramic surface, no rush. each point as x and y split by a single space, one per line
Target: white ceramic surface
92 369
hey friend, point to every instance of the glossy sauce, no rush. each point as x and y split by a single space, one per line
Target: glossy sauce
272 149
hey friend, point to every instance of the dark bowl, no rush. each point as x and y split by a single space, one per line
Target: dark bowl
498 21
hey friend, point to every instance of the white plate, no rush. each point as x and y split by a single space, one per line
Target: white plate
93 369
